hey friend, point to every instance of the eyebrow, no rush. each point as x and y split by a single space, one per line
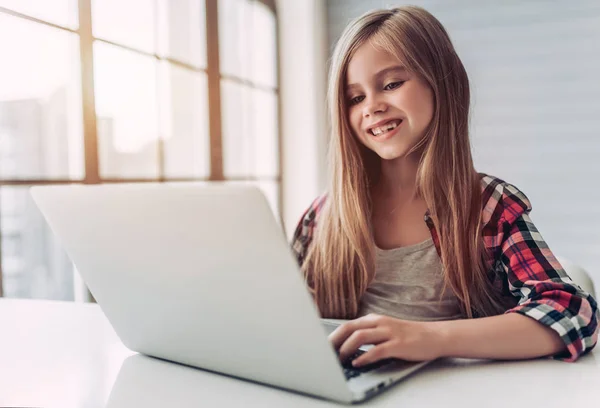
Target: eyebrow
381 73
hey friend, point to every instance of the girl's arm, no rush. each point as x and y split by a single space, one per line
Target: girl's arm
506 337
547 295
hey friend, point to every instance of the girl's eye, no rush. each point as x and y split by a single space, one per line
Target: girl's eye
393 85
356 99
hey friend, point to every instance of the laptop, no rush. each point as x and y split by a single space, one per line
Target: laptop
202 275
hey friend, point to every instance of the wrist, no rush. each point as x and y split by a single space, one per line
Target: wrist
444 338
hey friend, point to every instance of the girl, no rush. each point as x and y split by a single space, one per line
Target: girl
430 258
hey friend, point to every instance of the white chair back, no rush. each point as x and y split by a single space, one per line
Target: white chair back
579 275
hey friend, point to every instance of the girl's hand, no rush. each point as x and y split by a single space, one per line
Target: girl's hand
407 340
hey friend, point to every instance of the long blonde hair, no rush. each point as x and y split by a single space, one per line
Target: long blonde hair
340 262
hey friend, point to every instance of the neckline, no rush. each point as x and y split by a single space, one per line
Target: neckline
405 249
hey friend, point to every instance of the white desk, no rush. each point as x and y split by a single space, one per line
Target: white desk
58 354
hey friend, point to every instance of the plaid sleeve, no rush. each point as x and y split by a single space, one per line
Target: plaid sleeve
304 230
545 291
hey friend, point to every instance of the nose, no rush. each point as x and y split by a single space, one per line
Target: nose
374 106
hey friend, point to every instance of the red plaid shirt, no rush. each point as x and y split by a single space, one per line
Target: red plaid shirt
524 270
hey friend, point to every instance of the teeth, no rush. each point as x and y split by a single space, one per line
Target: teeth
385 128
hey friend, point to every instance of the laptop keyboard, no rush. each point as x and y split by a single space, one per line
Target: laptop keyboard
350 371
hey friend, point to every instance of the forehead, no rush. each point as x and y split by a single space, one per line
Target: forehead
367 61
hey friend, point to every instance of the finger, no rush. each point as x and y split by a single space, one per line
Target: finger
360 337
339 335
379 352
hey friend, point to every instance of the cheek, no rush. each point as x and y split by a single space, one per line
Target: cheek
417 101
423 106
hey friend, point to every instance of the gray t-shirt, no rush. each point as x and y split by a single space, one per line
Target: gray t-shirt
409 285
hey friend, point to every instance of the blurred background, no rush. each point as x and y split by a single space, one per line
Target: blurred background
107 91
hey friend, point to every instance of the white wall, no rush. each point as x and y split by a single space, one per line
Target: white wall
303 53
535 75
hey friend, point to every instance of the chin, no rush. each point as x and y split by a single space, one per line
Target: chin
391 154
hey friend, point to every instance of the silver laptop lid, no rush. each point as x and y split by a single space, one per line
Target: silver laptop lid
200 275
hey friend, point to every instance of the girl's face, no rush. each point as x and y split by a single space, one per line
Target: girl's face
388 108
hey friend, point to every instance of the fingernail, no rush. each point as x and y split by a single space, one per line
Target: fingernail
354 364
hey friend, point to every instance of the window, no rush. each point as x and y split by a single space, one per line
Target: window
249 94
128 91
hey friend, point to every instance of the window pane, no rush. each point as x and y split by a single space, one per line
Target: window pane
264 46
127 114
182 31
33 263
234 37
250 138
59 12
236 129
247 41
184 122
265 144
40 102
126 22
